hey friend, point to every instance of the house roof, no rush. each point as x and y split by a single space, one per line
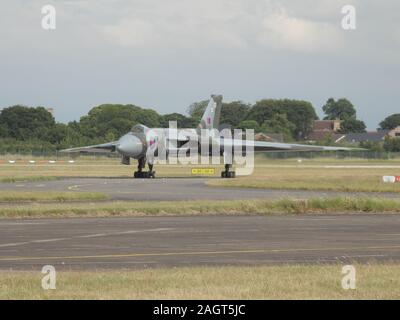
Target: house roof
321 135
323 125
270 137
374 136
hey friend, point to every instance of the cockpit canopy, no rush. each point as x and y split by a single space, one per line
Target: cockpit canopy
139 128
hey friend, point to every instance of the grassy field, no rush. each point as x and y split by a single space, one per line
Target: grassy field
373 281
13 179
13 196
315 174
111 168
307 177
201 207
316 178
354 175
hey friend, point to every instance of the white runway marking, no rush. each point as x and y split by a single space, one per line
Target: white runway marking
94 235
13 244
21 223
77 186
84 236
48 240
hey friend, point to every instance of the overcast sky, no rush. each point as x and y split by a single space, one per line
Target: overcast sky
166 54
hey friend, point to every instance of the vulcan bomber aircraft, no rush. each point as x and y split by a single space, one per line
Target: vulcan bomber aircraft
145 144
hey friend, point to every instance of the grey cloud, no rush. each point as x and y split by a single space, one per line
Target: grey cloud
166 54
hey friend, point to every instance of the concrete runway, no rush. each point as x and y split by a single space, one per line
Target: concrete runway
146 242
171 189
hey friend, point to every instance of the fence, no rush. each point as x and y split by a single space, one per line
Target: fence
278 155
367 155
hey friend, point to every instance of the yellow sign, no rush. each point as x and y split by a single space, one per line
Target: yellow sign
203 171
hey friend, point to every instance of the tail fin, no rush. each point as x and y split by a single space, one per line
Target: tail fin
212 114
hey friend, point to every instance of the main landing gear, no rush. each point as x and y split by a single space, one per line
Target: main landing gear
144 174
227 173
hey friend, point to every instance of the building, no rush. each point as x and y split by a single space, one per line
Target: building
394 133
372 136
325 128
269 137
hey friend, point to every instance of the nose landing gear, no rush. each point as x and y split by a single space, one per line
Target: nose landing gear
228 174
144 174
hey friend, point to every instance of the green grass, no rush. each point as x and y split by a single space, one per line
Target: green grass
14 196
40 172
201 207
27 179
273 174
315 178
373 281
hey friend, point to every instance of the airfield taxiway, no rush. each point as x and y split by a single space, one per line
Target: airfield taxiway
146 242
142 242
171 189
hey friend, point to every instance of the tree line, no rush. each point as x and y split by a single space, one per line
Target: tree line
25 128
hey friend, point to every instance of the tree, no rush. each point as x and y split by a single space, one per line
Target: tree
148 117
249 124
58 133
390 122
24 123
328 140
196 109
392 144
182 121
300 113
279 124
73 136
352 125
233 113
3 131
372 146
116 120
342 109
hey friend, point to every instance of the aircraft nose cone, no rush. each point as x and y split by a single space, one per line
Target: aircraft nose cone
130 145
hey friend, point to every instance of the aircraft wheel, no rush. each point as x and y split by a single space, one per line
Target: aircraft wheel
228 175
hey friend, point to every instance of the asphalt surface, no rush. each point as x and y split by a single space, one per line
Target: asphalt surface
147 242
171 189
